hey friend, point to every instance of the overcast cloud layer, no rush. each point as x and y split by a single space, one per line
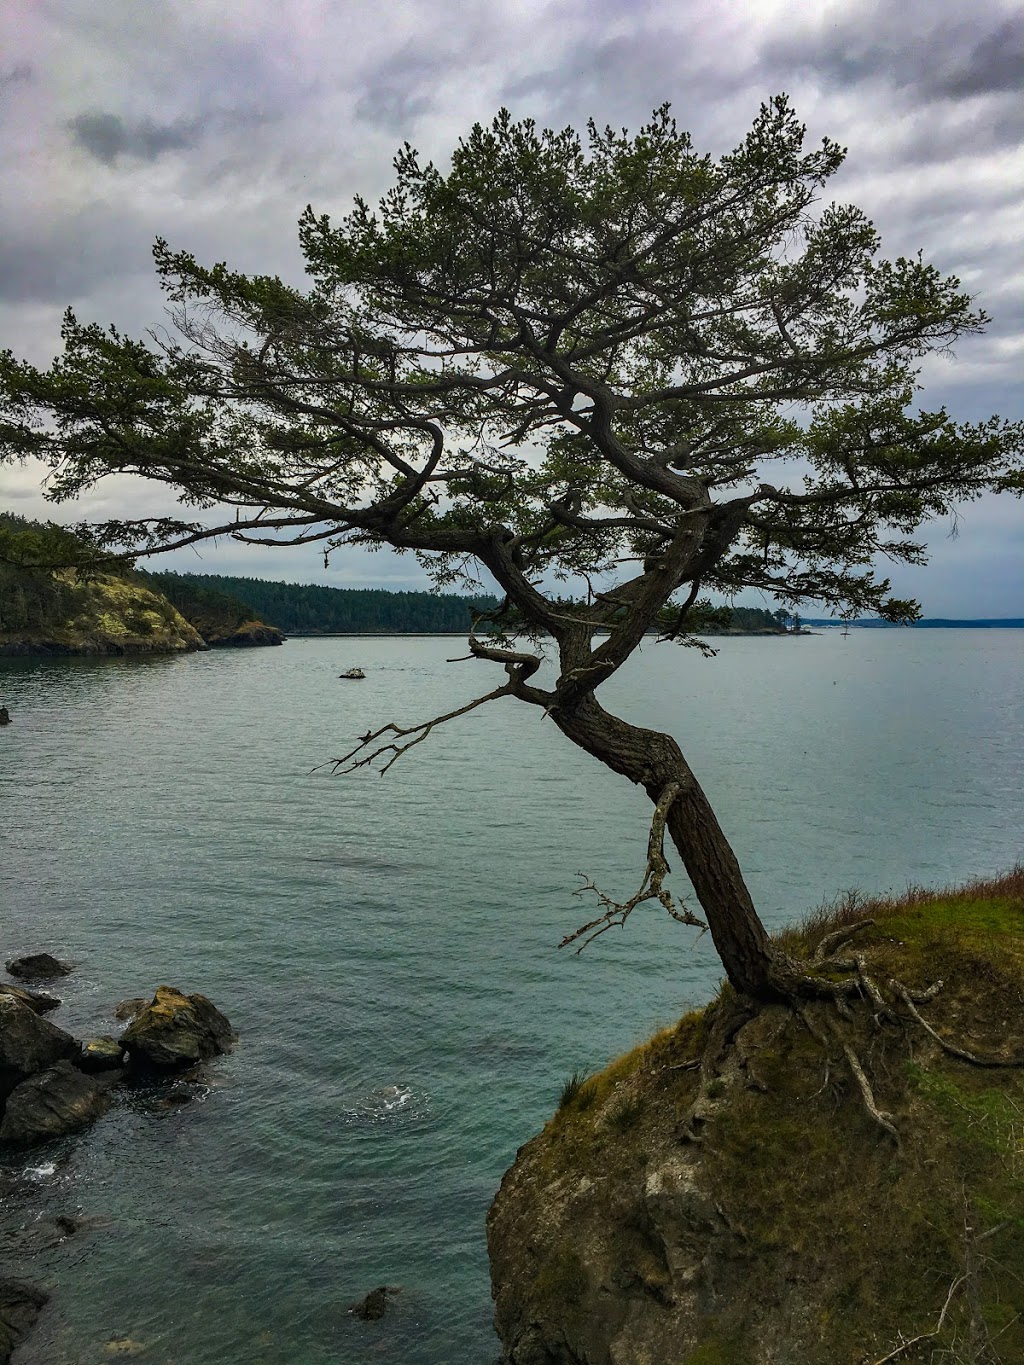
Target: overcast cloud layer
213 125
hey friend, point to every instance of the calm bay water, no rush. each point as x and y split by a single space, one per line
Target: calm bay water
386 948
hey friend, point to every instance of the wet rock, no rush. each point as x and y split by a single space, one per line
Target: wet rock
123 1346
54 1102
5 716
38 967
128 1009
39 1234
39 1001
176 1030
28 1043
101 1054
20 1305
372 1306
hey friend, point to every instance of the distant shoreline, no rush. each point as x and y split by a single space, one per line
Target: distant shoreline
929 623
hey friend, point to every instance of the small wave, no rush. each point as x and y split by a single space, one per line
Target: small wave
387 1104
42 1172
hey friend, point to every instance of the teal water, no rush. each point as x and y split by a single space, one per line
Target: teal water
386 948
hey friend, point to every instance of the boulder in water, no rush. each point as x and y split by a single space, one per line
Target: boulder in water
50 1104
101 1054
28 1044
20 1305
39 1001
38 967
176 1030
5 716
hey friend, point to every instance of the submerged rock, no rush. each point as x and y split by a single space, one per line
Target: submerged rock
48 1105
20 1306
38 967
28 1043
176 1030
39 1001
372 1306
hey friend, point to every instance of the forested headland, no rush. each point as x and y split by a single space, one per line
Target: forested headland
314 609
99 611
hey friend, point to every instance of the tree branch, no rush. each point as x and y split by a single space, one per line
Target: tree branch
651 888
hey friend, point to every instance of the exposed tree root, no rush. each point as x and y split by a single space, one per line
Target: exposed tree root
830 944
946 1046
879 1116
729 1019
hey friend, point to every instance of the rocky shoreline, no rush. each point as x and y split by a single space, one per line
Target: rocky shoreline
53 1085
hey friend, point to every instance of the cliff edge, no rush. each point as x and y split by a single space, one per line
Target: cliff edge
731 1193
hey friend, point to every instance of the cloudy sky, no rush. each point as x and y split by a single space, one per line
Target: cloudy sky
213 124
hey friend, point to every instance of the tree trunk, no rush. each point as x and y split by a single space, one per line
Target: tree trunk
654 760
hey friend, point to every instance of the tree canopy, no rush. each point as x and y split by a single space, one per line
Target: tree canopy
608 358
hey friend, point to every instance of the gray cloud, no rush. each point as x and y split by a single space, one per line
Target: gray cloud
398 91
933 54
213 125
18 74
109 137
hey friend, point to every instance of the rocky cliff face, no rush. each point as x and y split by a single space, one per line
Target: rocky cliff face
750 1210
105 614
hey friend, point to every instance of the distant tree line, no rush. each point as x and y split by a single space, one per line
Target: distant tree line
31 600
311 609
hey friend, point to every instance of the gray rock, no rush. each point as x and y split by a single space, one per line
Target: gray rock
28 1044
50 1104
39 1001
176 1030
128 1009
20 1305
38 967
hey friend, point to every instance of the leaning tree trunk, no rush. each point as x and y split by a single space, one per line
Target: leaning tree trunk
654 761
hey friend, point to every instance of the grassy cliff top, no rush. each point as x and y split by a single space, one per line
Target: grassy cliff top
754 1212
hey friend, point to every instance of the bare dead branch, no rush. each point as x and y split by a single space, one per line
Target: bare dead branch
652 887
911 1342
420 732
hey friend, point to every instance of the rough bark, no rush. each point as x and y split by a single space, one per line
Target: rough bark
654 761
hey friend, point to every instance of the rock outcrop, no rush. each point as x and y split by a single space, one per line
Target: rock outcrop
176 1030
247 635
40 1002
724 1195
50 1104
28 1044
20 1306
